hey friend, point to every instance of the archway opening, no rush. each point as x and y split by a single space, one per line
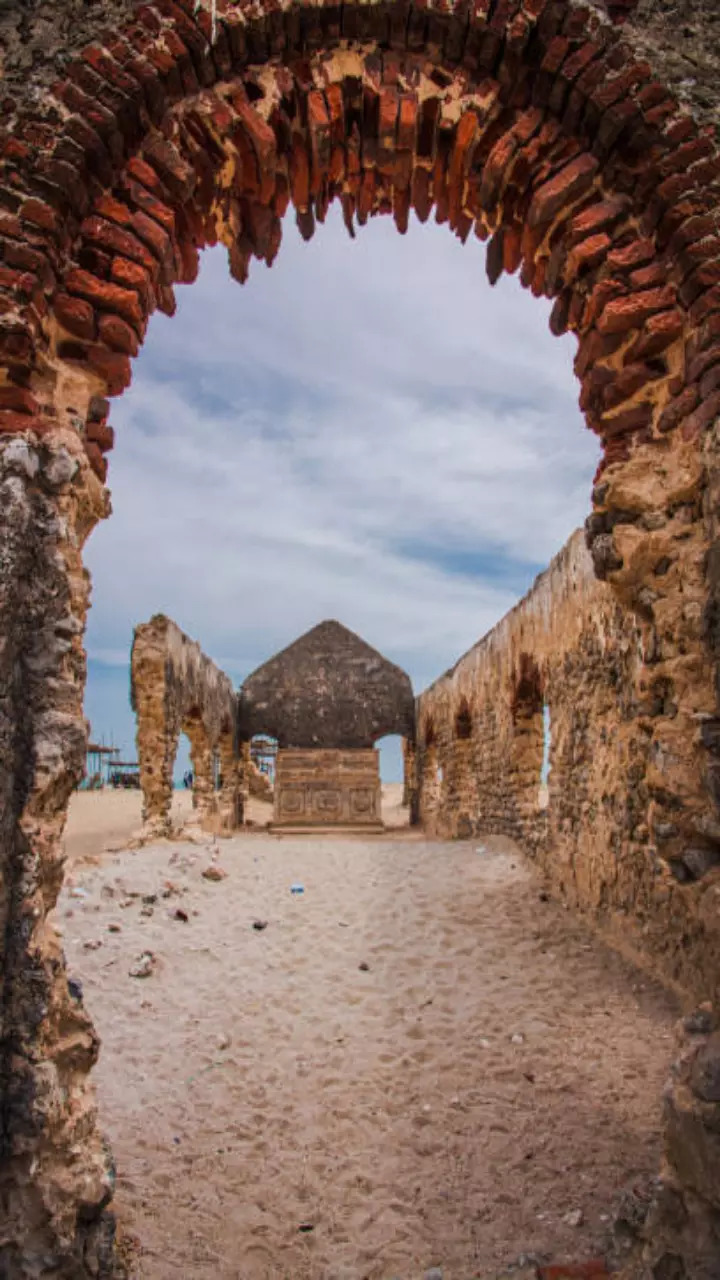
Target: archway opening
462 793
396 779
460 123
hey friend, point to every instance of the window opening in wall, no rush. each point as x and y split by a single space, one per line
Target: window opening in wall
544 792
463 722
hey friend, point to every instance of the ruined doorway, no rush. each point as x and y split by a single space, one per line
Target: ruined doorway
533 126
396 779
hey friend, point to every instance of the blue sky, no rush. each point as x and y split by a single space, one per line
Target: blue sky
366 432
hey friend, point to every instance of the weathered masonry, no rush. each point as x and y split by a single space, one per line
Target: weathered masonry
176 689
582 149
561 688
327 699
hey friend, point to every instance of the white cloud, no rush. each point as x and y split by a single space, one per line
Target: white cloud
333 440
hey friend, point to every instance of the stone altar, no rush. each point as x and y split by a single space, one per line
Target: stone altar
320 788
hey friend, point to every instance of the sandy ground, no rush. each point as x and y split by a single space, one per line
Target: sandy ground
418 1062
106 821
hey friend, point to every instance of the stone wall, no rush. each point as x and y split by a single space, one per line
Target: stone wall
176 688
569 659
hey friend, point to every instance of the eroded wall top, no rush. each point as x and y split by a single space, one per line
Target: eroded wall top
163 656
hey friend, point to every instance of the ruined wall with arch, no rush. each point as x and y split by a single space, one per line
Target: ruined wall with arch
176 688
569 656
133 135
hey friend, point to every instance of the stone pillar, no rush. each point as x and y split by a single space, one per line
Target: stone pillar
462 806
430 788
201 756
157 739
56 1175
244 766
410 783
229 799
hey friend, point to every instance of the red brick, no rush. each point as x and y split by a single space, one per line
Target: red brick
118 335
660 332
649 277
39 214
117 241
153 235
598 217
11 423
139 169
96 460
19 399
703 417
586 255
114 210
299 173
561 190
106 296
620 315
132 276
113 366
635 254
178 176
151 205
678 408
627 421
25 258
22 283
10 225
101 434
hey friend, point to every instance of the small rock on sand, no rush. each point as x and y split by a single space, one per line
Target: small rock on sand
214 873
143 966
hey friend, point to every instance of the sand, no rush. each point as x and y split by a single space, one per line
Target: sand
106 821
491 1074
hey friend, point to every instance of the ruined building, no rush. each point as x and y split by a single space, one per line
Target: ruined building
578 140
327 699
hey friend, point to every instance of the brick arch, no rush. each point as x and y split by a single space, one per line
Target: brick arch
530 126
527 124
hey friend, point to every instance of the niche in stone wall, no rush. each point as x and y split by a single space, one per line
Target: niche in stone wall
462 797
529 735
431 771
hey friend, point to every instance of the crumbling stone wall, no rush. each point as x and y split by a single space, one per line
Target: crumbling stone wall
569 658
56 1174
128 143
176 688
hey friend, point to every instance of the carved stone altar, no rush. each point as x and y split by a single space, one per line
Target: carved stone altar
327 788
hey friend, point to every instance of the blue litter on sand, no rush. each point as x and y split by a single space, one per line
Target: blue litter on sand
297 888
